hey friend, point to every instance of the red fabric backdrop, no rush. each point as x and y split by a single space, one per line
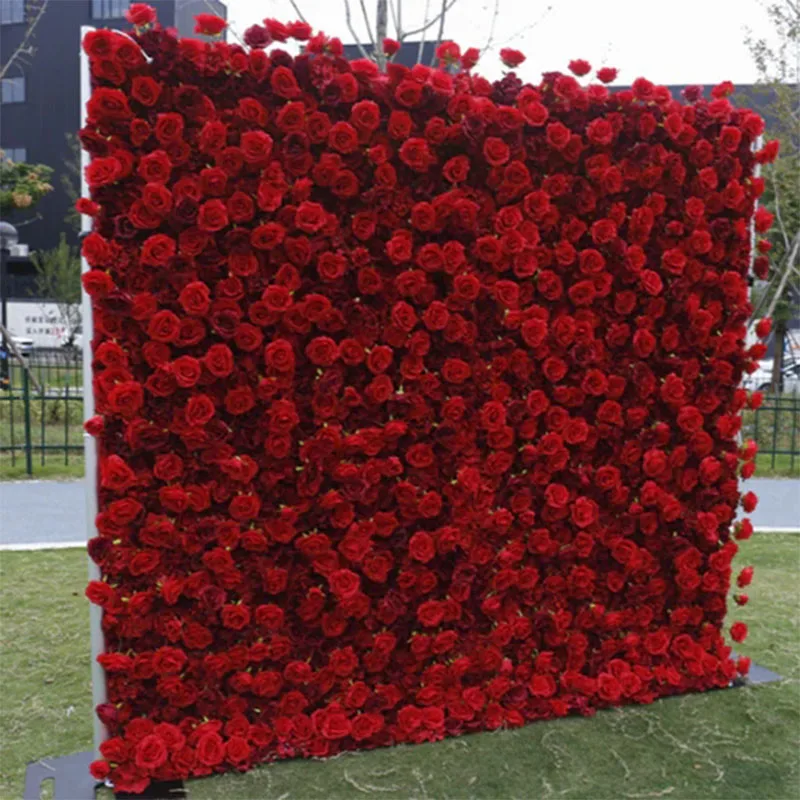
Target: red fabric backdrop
417 397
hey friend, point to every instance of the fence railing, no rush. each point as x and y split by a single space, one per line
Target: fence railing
41 431
775 427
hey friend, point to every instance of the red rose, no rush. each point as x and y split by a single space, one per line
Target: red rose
157 250
140 14
343 137
496 151
199 409
235 617
335 726
456 169
738 631
126 398
212 216
210 749
580 67
584 512
195 298
416 154
430 613
163 326
543 686
421 547
511 58
657 642
209 24
344 583
745 577
107 104
283 82
322 351
309 217
103 171
455 370
256 146
365 116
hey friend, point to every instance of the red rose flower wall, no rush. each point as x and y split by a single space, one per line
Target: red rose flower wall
417 396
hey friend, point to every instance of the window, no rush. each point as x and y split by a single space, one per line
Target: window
12 11
15 154
109 9
12 90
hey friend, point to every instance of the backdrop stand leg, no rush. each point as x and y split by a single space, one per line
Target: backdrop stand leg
73 781
70 775
756 676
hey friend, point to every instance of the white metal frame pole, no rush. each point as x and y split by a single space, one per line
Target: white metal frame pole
99 694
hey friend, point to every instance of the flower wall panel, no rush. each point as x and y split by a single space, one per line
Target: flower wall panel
417 397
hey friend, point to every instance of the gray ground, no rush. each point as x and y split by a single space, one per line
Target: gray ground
53 511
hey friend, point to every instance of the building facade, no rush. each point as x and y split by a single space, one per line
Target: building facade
39 95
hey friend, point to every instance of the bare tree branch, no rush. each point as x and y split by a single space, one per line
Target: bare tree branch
490 38
369 28
23 363
421 47
442 17
446 6
381 25
784 270
785 277
393 10
349 22
25 47
527 28
298 12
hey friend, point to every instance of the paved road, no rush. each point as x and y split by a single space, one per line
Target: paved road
53 511
42 511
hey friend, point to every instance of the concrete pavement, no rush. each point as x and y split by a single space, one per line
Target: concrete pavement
33 512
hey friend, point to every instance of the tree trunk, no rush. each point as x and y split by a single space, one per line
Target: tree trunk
381 26
777 359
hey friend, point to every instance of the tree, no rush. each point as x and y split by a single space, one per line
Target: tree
71 181
25 49
59 279
23 185
778 64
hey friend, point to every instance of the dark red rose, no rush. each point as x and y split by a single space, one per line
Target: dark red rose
416 154
210 749
344 583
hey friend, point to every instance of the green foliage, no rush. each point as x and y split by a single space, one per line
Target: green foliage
71 181
22 185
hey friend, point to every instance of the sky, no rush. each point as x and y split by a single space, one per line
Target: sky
666 41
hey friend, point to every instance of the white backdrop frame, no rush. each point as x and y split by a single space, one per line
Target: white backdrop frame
99 690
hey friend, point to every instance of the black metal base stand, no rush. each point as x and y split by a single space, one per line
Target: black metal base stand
74 782
70 775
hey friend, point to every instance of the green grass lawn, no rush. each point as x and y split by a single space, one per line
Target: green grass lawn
741 743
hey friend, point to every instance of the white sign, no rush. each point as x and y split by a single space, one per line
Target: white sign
36 320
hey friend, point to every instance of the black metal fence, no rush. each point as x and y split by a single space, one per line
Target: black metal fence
775 427
41 429
41 414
